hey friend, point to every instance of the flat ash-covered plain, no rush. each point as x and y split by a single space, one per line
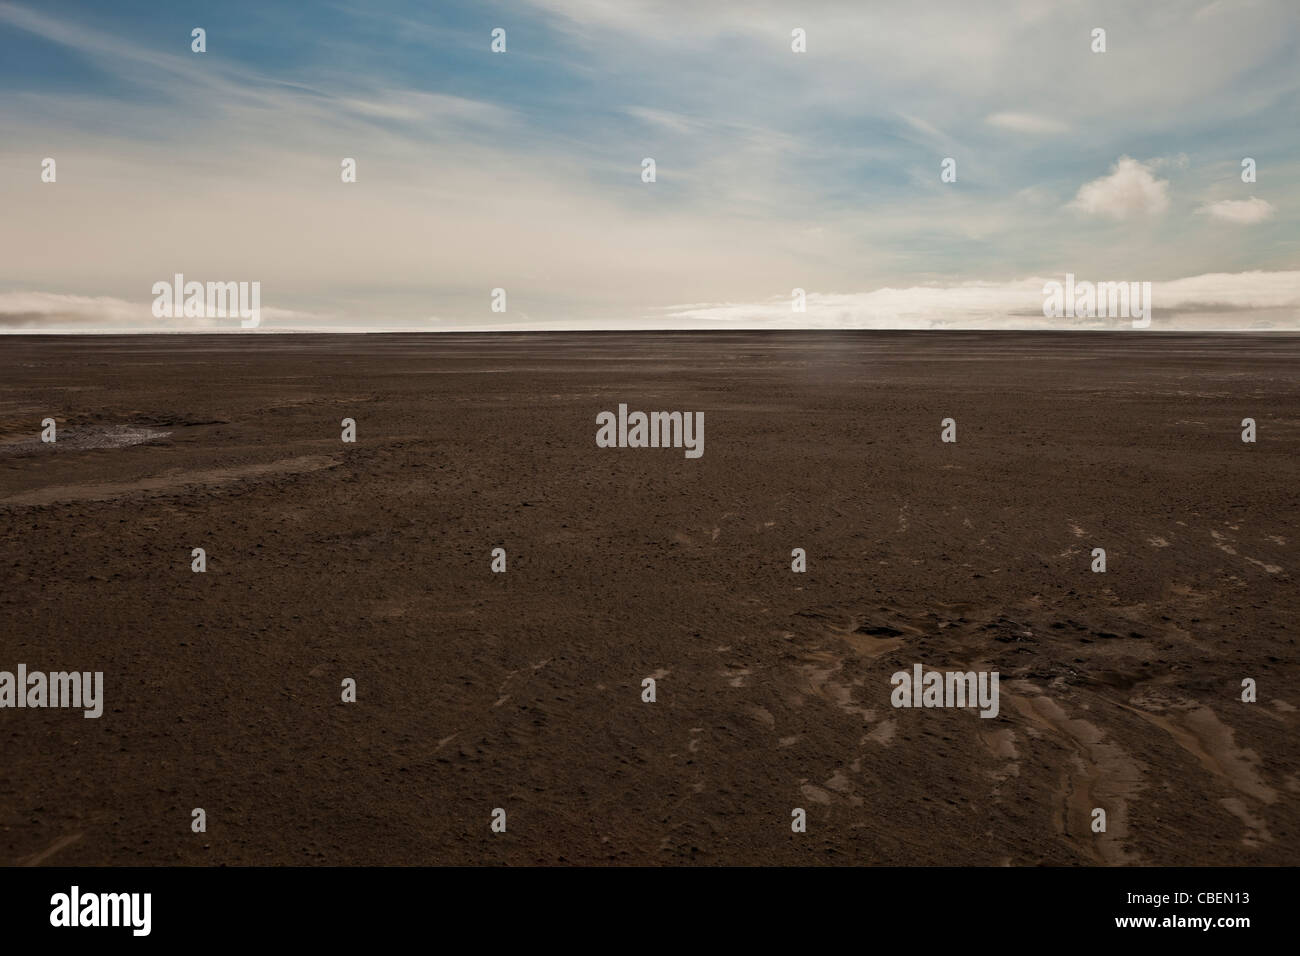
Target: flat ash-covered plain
522 691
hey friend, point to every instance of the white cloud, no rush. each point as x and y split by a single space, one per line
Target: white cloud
1242 212
44 312
1230 291
1223 301
41 311
1219 300
1129 190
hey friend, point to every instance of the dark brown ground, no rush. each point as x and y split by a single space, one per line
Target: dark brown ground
522 691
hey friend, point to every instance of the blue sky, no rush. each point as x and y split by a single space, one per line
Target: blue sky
775 169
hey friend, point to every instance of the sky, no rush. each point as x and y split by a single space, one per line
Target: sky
775 170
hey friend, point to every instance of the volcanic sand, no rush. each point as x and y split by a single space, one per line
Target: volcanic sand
522 690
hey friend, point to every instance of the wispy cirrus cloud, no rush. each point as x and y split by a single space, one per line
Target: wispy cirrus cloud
1027 123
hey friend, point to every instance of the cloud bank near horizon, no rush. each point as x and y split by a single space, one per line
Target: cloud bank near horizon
1251 301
